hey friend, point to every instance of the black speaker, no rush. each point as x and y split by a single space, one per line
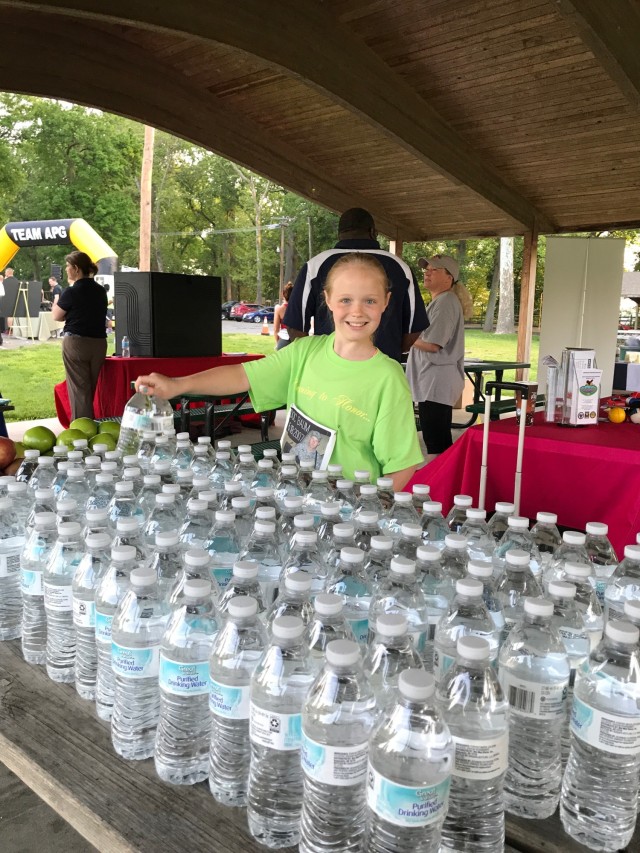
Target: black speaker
167 315
20 296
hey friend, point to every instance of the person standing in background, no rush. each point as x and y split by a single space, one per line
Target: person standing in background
9 278
56 290
83 307
280 331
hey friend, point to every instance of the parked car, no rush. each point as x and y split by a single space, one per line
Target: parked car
238 311
259 315
226 308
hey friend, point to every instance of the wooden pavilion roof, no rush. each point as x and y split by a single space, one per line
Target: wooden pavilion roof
445 118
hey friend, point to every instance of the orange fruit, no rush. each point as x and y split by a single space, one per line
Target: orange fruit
617 415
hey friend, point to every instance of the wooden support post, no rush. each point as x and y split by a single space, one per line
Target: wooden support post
527 300
145 199
396 246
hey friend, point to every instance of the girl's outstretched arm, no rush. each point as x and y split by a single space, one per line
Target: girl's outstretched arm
401 478
218 381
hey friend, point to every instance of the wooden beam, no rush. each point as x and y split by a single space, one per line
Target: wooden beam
301 38
396 246
146 194
527 300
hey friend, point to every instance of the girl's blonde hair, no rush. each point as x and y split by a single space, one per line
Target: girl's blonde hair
353 258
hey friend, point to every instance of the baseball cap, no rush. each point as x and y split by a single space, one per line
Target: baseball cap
441 262
355 219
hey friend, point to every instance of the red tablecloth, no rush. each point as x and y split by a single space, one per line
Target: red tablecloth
581 473
114 383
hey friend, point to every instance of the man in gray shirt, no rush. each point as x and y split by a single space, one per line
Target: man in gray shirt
435 367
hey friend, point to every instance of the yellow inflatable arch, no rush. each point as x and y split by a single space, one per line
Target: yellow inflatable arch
55 232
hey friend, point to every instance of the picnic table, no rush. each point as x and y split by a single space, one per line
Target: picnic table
476 370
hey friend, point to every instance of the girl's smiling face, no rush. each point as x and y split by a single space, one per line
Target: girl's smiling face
357 297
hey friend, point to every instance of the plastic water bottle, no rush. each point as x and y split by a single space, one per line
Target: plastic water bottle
349 581
244 581
483 572
166 561
400 592
294 599
457 515
334 473
454 555
434 527
473 705
197 563
402 512
517 537
623 584
110 590
420 495
97 521
138 627
602 554
305 557
344 536
143 413
480 542
123 504
329 517
236 651
579 574
262 549
572 549
21 500
328 624
498 522
12 541
68 510
129 532
318 493
367 526
338 717
125 348
279 686
377 562
224 546
367 501
222 472
346 496
45 473
386 493
44 501
408 542
410 763
27 466
93 565
165 516
197 525
390 652
58 602
516 584
76 488
546 535
534 674
33 560
102 492
287 485
439 590
183 735
600 788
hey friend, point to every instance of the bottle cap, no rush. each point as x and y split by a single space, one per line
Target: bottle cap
428 553
288 471
113 455
344 484
240 503
123 553
170 489
298 581
462 500
225 515
96 540
289 459
127 525
346 530
225 444
242 607
65 466
329 509
49 461
368 490
167 538
432 506
185 475
319 476
505 507
361 474
518 522
105 467
328 604
270 453
402 497
232 487
45 520
421 489
391 625
479 569
148 435
385 483
632 552
62 448
44 494
469 587
455 541
476 514
130 460
381 543
196 505
562 589
597 528
32 454
547 517
631 607
287 628
206 440
201 450
517 557
411 530
197 557
246 569
98 514
151 479
538 606
266 513
416 685
265 527
573 537
90 461
104 479
124 488
351 555
162 440
578 570
163 499
306 537
80 442
244 458
343 652
76 474
334 468
196 588
67 505
621 632
241 448
264 492
69 528
401 565
473 648
303 521
17 488
162 466
293 501
265 464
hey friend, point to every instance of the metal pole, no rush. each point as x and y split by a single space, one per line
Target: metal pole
280 294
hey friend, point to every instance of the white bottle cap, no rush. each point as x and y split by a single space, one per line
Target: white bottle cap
94 540
162 466
343 531
265 527
232 486
239 503
63 447
197 557
196 588
469 587
578 570
462 500
351 555
204 440
270 453
288 471
225 515
67 505
381 543
293 501
298 582
76 474
622 632
505 507
201 450
65 466
196 505
32 454
303 521
163 499
416 685
421 489
264 492
428 553
518 522
287 628
361 474
547 517
479 569
538 607
49 461
306 537
245 458
432 506
242 448
631 607
334 469
632 552
43 494
148 435
113 455
391 625
385 483
368 517
225 444
45 520
167 538
127 525
123 553
130 460
329 509
107 467
162 440
368 490
344 484
151 479
401 565
182 436
319 476
473 648
343 653
99 514
402 497
124 488
455 541
69 528
573 537
476 514
265 464
242 607
517 557
17 488
562 589
246 569
185 475
411 531
266 513
328 604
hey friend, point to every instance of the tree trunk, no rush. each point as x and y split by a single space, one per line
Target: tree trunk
505 324
490 316
226 255
462 258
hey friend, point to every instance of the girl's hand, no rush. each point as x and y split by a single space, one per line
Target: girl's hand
158 385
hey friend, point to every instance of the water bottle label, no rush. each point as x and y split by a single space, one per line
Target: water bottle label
282 732
441 663
418 640
227 701
135 421
84 613
497 617
135 663
532 699
360 628
608 732
58 598
480 759
31 582
10 563
222 576
330 765
103 627
184 679
407 806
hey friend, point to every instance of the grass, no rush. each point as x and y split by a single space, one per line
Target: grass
28 374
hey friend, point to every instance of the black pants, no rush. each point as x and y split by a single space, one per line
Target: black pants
435 422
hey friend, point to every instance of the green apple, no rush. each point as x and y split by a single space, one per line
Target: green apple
20 448
39 438
68 436
86 425
110 427
103 438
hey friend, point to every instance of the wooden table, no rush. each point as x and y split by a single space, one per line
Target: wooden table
52 740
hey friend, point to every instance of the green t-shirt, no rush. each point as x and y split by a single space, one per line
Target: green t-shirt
368 402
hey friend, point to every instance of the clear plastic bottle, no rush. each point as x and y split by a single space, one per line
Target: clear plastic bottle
241 506
457 515
97 521
294 599
44 475
264 476
400 592
287 485
480 542
434 527
162 455
21 501
338 716
222 472
230 490
202 484
143 413
68 510
223 545
245 473
134 475
384 486
349 581
76 487
60 452
498 522
61 477
151 486
474 707
571 549
244 581
546 535
579 574
361 478
305 557
408 542
402 512
318 493
329 517
292 507
467 615
201 464
346 496
111 587
328 624
183 736
146 450
601 553
165 516
367 526
166 561
410 763
123 504
58 602
599 800
344 536
378 559
367 501
27 466
439 589
92 566
334 473
92 469
33 559
44 501
138 627
454 555
419 496
534 674
279 685
266 500
197 524
262 549
623 583
517 537
483 572
129 532
102 492
389 653
516 584
236 652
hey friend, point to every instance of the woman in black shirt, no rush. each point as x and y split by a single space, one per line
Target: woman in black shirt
83 307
